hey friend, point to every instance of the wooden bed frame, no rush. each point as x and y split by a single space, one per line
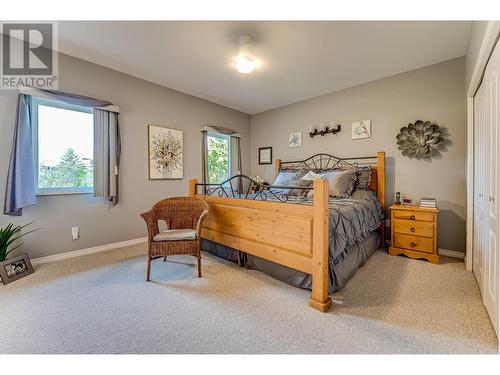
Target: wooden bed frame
294 235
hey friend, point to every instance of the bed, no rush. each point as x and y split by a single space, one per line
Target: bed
313 242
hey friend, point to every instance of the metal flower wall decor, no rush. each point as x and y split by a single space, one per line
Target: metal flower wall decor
421 139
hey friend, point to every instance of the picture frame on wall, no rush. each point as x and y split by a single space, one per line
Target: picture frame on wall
361 129
265 155
165 153
295 139
15 268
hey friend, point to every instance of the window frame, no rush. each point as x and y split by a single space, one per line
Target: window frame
225 137
35 102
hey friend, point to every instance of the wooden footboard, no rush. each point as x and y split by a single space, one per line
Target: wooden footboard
293 235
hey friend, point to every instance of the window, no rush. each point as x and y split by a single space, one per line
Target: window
63 141
218 158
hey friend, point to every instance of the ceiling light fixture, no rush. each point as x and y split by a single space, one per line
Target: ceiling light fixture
244 63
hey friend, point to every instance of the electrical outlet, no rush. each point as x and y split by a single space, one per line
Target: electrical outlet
388 223
75 233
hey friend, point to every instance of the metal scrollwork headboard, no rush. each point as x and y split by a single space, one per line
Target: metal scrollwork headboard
319 162
326 162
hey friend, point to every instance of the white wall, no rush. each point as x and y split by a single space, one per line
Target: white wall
141 103
434 93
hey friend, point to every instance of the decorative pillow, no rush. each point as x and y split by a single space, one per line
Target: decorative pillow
364 175
290 179
311 176
341 183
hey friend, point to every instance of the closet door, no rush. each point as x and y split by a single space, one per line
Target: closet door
479 196
491 250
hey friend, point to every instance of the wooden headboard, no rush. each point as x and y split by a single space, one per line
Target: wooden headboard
326 162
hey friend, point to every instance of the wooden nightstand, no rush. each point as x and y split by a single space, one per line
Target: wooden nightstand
414 232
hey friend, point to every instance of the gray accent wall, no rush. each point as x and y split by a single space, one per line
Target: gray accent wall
141 103
435 93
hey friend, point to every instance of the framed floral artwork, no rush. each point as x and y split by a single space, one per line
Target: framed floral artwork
165 153
361 129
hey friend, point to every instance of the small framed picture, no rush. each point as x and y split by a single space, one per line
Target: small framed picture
362 129
295 139
15 268
265 155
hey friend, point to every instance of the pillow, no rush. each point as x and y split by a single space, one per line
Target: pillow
290 179
364 175
341 183
311 176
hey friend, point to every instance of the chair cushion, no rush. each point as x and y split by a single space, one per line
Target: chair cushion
175 235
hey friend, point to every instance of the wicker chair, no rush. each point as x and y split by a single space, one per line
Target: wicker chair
184 216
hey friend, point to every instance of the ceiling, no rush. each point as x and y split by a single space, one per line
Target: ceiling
297 60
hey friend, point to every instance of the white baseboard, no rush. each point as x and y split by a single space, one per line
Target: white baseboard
138 241
90 250
451 253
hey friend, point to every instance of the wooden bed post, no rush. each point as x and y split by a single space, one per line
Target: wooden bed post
192 187
277 166
381 177
319 296
381 191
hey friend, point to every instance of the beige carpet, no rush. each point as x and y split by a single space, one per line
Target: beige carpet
101 304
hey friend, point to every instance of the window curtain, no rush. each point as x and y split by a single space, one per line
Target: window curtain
20 190
235 160
204 157
107 149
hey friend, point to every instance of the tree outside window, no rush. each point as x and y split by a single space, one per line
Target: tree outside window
71 171
218 159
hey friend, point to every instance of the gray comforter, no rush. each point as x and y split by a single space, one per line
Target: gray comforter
352 220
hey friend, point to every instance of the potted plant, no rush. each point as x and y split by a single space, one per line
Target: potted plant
18 267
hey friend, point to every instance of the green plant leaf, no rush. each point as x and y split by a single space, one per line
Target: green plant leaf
9 234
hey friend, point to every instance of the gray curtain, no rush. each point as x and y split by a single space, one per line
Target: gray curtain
204 158
107 148
235 157
20 190
235 160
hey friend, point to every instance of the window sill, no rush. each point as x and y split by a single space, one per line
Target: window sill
63 193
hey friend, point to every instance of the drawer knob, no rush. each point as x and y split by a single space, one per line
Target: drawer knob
412 217
413 244
412 230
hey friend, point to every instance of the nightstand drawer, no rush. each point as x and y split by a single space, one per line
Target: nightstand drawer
413 215
415 243
414 228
